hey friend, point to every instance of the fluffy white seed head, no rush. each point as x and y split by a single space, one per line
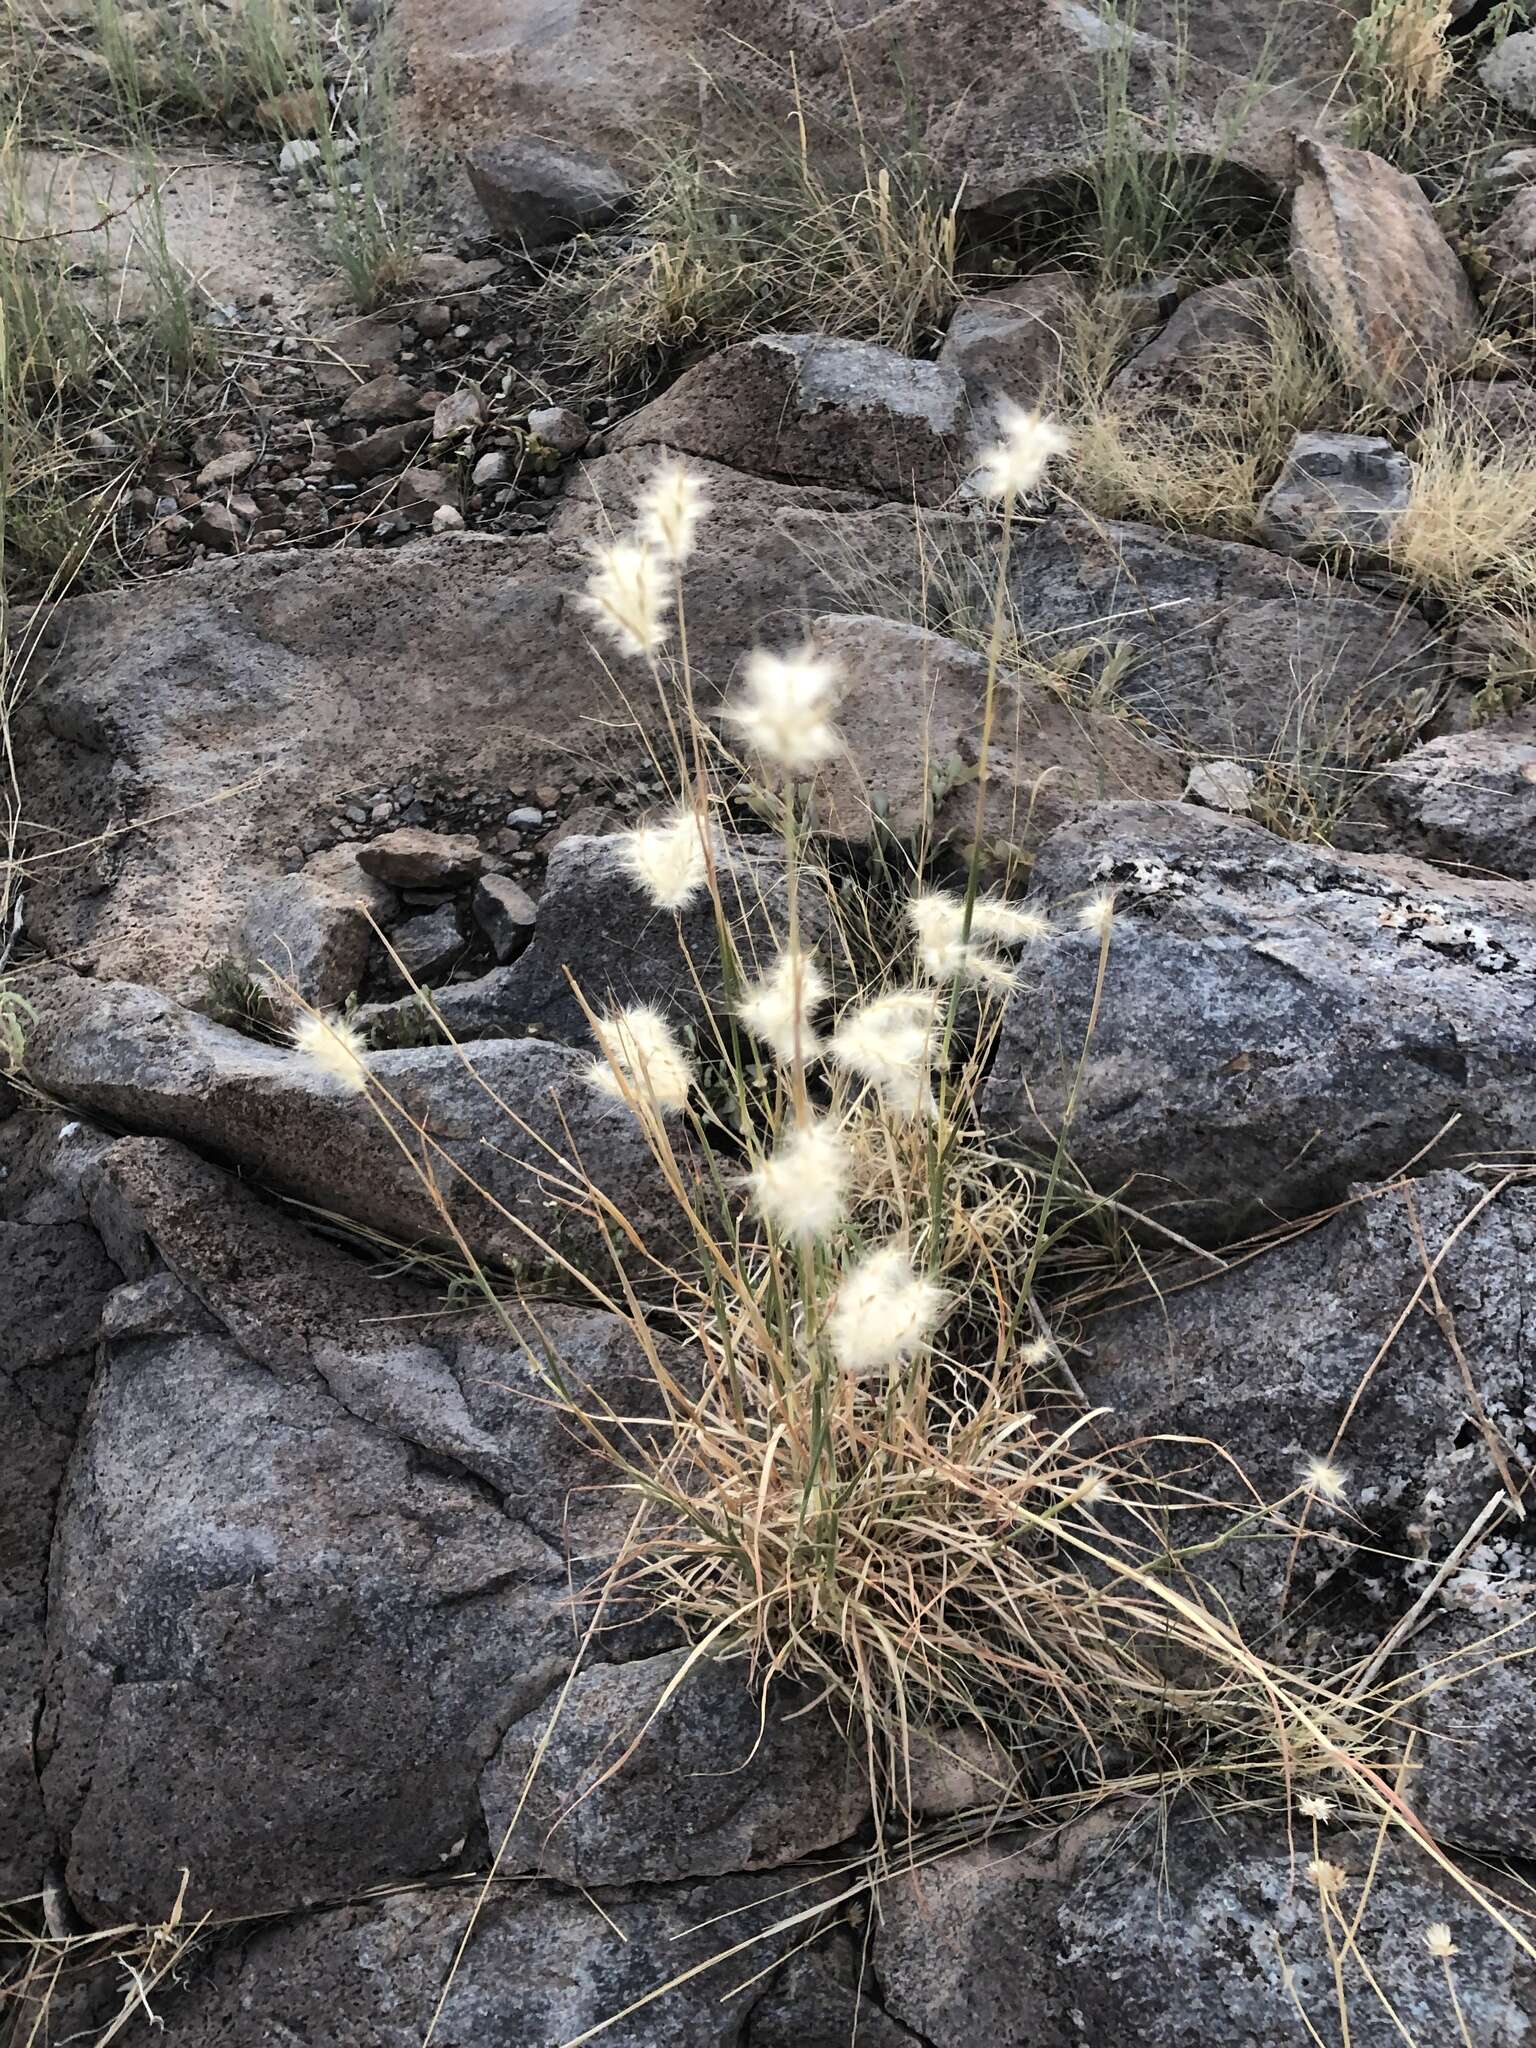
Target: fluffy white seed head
642 1060
1017 463
1439 1941
784 710
1325 1480
335 1046
780 1007
671 507
942 949
629 595
891 1043
884 1312
1097 915
1314 1806
801 1188
1006 925
668 859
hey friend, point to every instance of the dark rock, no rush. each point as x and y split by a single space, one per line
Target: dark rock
1336 491
1509 250
1277 1021
386 449
1368 252
1474 1693
428 945
1233 651
1127 1938
217 527
559 428
1220 335
505 913
670 1768
413 859
1014 343
803 405
537 193
1468 799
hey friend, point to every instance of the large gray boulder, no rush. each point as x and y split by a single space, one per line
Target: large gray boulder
815 409
504 1129
1275 1360
669 1767
1196 1932
1473 1692
247 706
1370 255
1230 649
307 1519
1277 1021
54 1279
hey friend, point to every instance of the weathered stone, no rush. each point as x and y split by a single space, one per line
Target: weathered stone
1490 415
313 928
463 667
381 401
1509 249
410 858
1220 335
544 1966
535 193
1015 343
427 946
1221 786
1468 799
54 1279
910 713
1233 650
224 469
284 1509
1152 1939
596 919
1336 491
217 527
421 493
1509 72
506 913
822 1998
139 1057
669 1768
803 405
1277 1359
1474 1692
1277 1022
386 449
1368 252
559 428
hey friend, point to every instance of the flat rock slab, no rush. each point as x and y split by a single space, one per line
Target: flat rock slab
1277 1021
245 704
510 1127
1127 1938
1467 799
228 240
1226 648
1336 491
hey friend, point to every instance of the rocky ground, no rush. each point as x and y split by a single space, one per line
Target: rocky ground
292 1548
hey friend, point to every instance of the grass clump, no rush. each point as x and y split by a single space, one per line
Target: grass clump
716 252
1400 66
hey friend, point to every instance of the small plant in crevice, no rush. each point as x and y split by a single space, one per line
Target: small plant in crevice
235 997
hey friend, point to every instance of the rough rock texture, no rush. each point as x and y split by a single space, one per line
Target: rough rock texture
1141 1943
1336 491
705 1778
312 928
911 714
1370 255
1509 249
305 682
1267 1359
544 1967
994 96
1509 72
1491 414
412 859
316 1553
1218 334
54 1277
1013 343
137 1056
808 407
1476 1710
1468 799
533 193
1277 1021
1233 651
